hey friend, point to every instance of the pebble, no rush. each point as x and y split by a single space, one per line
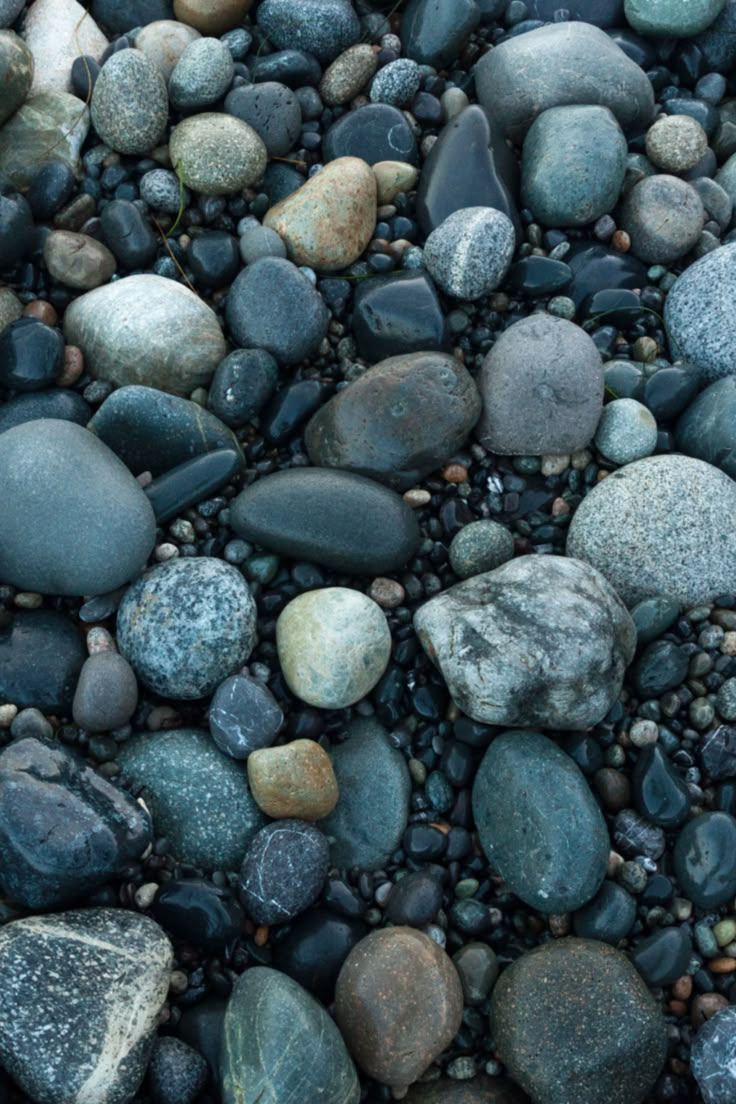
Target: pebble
626 432
202 75
129 105
162 191
396 83
128 234
315 947
163 41
378 132
31 355
325 28
712 1057
347 75
283 871
663 957
694 313
106 694
51 120
414 900
41 655
663 217
660 793
212 17
9 11
718 747
272 110
17 67
479 547
197 911
273 306
320 625
705 859
397 314
608 917
470 252
77 260
217 154
705 429
676 143
56 33
242 385
434 33
176 1072
667 17
296 780
244 716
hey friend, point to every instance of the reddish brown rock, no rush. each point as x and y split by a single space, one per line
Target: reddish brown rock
296 780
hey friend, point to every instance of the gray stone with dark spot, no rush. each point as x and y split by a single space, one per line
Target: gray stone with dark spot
542 641
713 1057
284 871
129 104
323 27
697 313
87 1034
376 132
244 716
202 74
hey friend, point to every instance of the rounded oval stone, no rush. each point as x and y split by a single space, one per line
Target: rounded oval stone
658 526
16 73
328 222
348 74
163 41
574 1021
217 153
626 432
129 106
202 74
663 17
707 429
539 823
398 1004
470 251
271 305
272 110
296 780
705 859
106 694
77 260
609 916
244 716
187 625
41 655
283 871
333 518
333 645
398 421
315 947
74 519
664 217
697 313
212 17
713 1057
324 27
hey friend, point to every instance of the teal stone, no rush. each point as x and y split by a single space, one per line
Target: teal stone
623 379
676 18
281 1047
707 429
705 859
653 616
198 798
664 956
609 917
660 793
538 822
573 165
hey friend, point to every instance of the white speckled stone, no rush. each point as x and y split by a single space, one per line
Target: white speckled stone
57 32
202 74
129 106
698 313
218 153
713 1057
470 252
627 431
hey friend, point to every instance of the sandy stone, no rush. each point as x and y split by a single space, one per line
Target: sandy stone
212 17
393 177
296 780
57 32
348 74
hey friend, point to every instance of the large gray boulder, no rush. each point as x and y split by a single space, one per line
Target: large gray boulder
698 313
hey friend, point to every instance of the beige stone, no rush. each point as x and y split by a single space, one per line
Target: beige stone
163 43
212 17
57 32
348 74
77 260
393 177
296 780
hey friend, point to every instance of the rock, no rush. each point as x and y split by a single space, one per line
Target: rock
11 310
480 546
273 306
128 234
244 716
272 110
119 18
198 798
636 528
334 518
573 165
694 313
106 694
294 68
325 28
187 625
664 217
65 830
398 1004
129 104
470 252
17 239
542 389
296 780
396 83
57 32
176 1073
414 900
667 17
284 871
315 947
626 432
377 132
146 329
540 641
348 74
328 222
259 241
16 72
194 910
676 143
663 957
163 42
609 916
718 749
603 13
54 402
192 482
242 385
31 355
539 824
479 1090
162 190
573 1021
434 32
712 1057
705 859
397 422
393 177
597 268
279 1042
78 261
706 429
9 11
396 315
201 1027
41 655
152 431
202 75
320 625
634 836
98 524
91 1032
660 793
51 121
212 17
217 153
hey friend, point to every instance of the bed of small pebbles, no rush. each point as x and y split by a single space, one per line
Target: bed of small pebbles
367 561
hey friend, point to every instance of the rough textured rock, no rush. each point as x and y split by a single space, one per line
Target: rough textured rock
88 1036
57 32
16 73
129 104
324 27
244 716
470 252
296 780
540 642
51 120
218 153
696 313
202 75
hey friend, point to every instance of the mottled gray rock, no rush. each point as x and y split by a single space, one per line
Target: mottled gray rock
539 825
348 74
129 104
480 546
561 63
9 11
627 431
198 797
398 421
187 625
98 526
271 305
272 110
396 83
244 716
670 17
57 32
676 143
660 526
284 871
16 73
218 153
697 313
77 260
88 1036
177 1073
542 641
162 190
707 429
664 217
542 389
106 694
470 252
50 121
280 1044
146 329
371 814
323 27
202 74
713 1057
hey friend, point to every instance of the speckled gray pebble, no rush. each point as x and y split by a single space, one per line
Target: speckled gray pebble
676 143
202 74
284 871
323 27
480 546
129 106
177 1073
106 694
470 252
397 83
162 191
258 241
713 1057
663 216
627 431
698 313
272 110
217 153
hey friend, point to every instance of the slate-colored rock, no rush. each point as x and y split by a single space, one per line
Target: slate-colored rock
177 1073
315 947
119 18
196 911
658 526
377 132
397 422
106 694
272 110
324 27
242 385
664 217
31 355
202 74
707 429
98 525
50 121
483 633
705 859
192 482
595 268
41 655
664 956
128 235
149 330
198 797
397 314
551 66
713 1057
90 1033
64 829
573 1021
538 822
16 73
283 871
55 402
129 105
660 793
334 518
273 306
609 916
696 313
433 32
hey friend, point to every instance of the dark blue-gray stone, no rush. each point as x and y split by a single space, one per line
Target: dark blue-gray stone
660 793
118 18
56 402
106 694
707 429
64 829
376 132
128 234
397 314
653 616
272 110
284 871
663 957
705 859
41 655
718 751
718 42
433 32
315 947
597 268
669 391
198 797
322 27
176 1073
244 716
661 667
334 518
609 917
713 1057
196 911
294 68
538 822
242 385
634 836
192 482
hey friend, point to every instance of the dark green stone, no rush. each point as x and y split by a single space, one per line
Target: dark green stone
705 859
663 957
660 793
662 667
608 917
653 616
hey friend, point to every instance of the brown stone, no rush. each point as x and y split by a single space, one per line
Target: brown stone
706 1005
42 310
73 366
296 780
212 17
480 1090
398 1004
78 261
348 74
388 593
614 788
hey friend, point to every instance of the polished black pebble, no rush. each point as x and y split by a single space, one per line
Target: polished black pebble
414 900
41 655
616 306
52 185
535 277
378 132
85 71
393 315
197 912
423 843
596 268
315 947
289 409
16 230
191 482
660 793
661 667
214 258
242 385
294 68
284 871
31 355
663 957
609 917
128 234
669 391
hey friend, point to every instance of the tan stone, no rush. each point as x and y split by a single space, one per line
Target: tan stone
328 222
393 177
163 42
78 261
296 780
348 74
212 17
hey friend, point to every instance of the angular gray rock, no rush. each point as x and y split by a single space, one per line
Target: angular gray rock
713 1057
697 313
80 995
542 641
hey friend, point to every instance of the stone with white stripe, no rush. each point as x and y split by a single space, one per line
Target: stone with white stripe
80 995
470 252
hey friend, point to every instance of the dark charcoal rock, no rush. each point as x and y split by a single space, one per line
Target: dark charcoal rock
106 694
198 912
52 185
633 835
661 667
376 132
433 32
244 716
16 230
31 355
713 1057
128 234
289 409
663 957
414 900
214 258
272 110
313 951
718 752
596 268
294 68
705 859
479 1090
609 916
242 385
283 871
707 429
41 655
56 402
660 793
118 18
192 482
396 315
201 1028
176 1073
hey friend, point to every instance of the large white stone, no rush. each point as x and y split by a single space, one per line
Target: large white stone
57 32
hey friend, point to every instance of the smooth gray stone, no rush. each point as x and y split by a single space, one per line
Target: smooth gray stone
9 11
244 716
106 694
202 75
279 1045
609 917
542 641
119 18
664 217
378 132
539 824
56 402
707 429
713 1057
371 814
41 655
86 1035
433 32
74 520
697 313
198 797
561 63
16 72
272 110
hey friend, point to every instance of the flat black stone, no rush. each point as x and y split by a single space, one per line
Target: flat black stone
663 957
198 912
393 315
294 68
660 793
41 655
31 355
289 409
214 258
192 482
201 1028
55 402
668 392
376 132
242 385
315 947
535 277
595 268
283 871
609 917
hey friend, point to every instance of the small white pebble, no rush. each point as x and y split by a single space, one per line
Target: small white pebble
580 459
643 733
164 552
555 465
26 599
8 713
145 894
416 497
100 640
